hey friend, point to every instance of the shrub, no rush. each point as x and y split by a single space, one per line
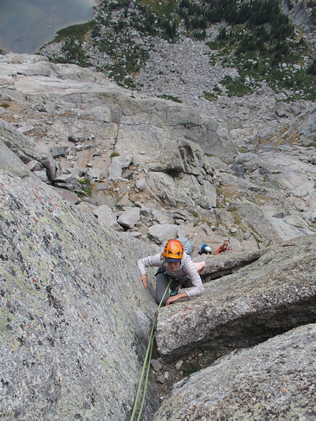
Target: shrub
311 70
170 97
85 185
235 87
209 96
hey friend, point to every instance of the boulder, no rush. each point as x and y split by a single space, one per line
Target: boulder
117 165
106 217
129 218
67 195
58 151
141 184
11 163
163 232
273 380
26 149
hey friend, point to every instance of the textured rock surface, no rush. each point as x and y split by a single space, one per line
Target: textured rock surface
74 315
273 380
275 293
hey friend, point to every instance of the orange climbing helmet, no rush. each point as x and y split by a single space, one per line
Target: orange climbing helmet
173 251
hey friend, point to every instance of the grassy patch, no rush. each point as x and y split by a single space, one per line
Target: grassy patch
77 32
161 8
86 187
4 105
236 86
170 97
210 96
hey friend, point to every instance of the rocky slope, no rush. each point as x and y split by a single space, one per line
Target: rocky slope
168 160
87 167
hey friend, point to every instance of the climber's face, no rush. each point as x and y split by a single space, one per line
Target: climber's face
173 265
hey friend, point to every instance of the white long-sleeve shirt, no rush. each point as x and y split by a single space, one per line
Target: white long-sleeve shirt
186 267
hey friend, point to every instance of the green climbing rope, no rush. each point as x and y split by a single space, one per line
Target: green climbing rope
146 363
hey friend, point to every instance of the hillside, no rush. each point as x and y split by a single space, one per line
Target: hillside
264 41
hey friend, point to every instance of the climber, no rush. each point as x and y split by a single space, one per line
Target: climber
174 265
224 247
188 249
187 246
205 249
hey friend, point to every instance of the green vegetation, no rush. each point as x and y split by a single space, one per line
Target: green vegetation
171 98
77 32
312 5
85 186
311 70
114 154
164 8
73 37
192 368
210 96
242 149
256 39
195 365
108 33
4 105
235 87
261 44
147 17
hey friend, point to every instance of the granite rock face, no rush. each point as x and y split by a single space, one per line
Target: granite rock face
273 294
273 380
74 316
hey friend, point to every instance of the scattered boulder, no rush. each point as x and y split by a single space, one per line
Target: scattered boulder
11 163
141 184
117 165
163 232
106 217
129 218
58 151
76 138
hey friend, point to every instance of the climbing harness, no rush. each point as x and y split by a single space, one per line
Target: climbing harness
146 363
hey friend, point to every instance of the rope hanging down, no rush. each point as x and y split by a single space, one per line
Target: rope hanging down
146 362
